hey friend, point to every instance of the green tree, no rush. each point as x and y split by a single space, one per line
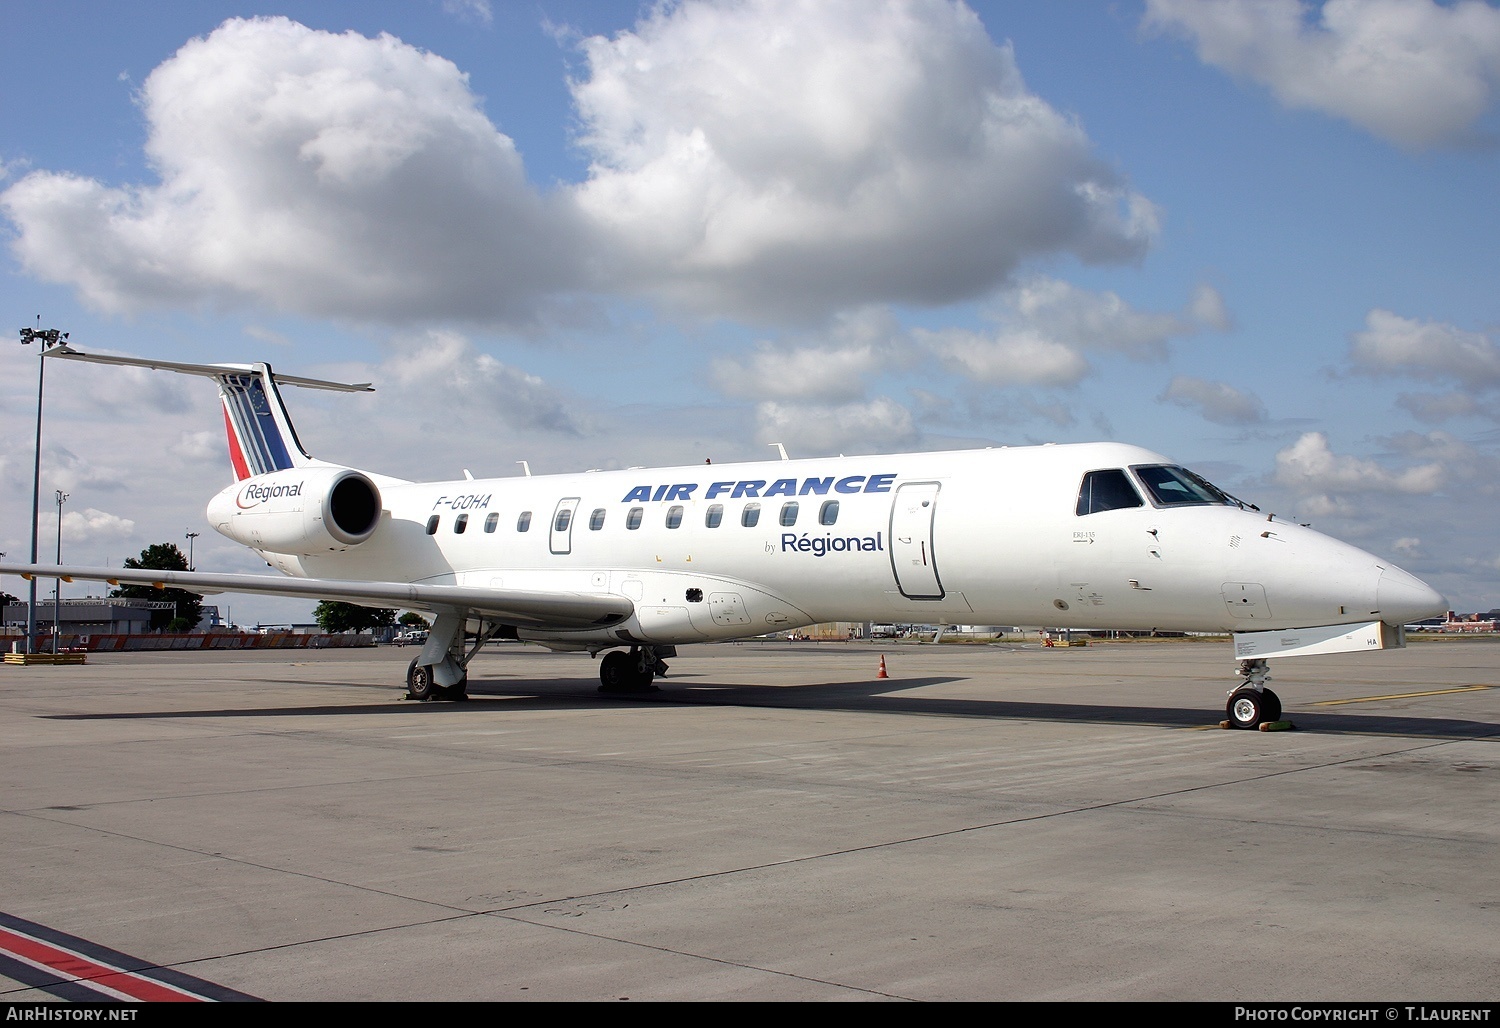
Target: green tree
333 616
411 619
187 608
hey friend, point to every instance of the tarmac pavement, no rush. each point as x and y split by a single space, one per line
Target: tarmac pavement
776 823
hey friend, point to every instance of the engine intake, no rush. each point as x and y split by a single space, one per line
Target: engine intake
301 511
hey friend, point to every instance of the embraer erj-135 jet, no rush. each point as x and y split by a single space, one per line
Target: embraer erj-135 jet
635 563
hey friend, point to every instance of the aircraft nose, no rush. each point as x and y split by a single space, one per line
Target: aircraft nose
1403 598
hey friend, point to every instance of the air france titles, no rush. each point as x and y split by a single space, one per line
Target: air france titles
760 489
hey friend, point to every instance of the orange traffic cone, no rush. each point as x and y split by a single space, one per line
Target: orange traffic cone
882 673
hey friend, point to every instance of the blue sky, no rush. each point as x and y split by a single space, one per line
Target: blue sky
1258 237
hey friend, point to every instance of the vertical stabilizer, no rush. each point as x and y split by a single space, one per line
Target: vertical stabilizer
261 436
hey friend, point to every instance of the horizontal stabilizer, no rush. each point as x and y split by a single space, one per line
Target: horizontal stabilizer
529 608
206 370
262 439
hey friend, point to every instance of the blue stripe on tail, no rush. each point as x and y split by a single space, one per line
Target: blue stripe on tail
255 424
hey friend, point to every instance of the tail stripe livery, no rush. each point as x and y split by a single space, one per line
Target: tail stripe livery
257 431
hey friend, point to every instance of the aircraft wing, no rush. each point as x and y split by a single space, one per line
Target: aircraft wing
529 608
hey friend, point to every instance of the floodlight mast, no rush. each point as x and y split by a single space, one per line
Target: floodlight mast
49 338
57 594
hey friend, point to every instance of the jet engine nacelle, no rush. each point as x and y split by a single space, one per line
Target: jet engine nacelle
302 511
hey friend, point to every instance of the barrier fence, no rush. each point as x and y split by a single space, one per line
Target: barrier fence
205 641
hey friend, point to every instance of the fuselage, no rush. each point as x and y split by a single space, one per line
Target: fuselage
1070 536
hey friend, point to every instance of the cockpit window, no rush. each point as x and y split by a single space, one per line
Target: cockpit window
1107 490
1178 487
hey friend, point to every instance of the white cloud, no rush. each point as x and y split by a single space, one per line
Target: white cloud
443 376
473 11
1207 308
1408 546
1044 325
807 430
1309 467
1406 348
1415 72
798 155
1103 321
200 447
775 158
1321 505
1218 402
830 368
93 526
304 171
1008 358
1439 407
1427 350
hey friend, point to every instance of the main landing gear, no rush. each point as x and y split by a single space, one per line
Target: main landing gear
634 671
420 685
441 670
1252 703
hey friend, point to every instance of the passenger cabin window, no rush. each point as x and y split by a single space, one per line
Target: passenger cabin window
461 524
564 519
829 512
674 517
490 523
715 516
596 520
1107 490
1172 486
751 515
523 523
633 519
789 514
432 524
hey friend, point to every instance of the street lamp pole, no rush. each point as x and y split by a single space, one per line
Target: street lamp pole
190 537
49 338
57 594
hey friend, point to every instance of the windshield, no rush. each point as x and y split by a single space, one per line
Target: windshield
1172 486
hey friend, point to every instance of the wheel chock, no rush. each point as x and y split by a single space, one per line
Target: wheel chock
1276 726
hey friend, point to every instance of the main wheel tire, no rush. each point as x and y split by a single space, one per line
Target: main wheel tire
616 673
1246 708
420 685
642 678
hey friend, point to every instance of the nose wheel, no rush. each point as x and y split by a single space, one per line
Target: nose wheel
1252 703
1248 708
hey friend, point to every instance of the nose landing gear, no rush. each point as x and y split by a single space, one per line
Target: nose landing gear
1252 703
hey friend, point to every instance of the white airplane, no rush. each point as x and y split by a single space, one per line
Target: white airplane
635 563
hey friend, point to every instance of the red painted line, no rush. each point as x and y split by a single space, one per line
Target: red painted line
77 967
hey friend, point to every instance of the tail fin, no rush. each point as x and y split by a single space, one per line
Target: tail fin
261 436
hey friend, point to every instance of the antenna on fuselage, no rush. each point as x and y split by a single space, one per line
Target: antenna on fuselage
781 450
525 467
